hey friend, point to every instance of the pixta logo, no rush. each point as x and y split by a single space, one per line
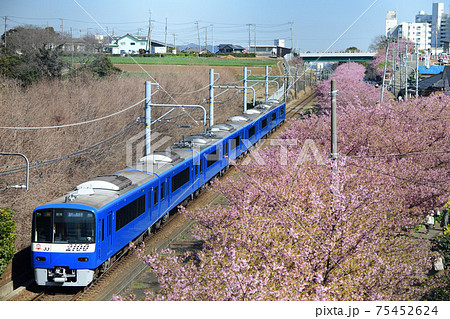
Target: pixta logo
308 152
135 150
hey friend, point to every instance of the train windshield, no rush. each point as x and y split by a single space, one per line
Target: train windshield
62 226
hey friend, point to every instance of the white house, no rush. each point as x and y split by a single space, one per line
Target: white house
129 44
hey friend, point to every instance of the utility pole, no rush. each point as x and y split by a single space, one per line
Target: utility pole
254 35
249 38
198 33
62 28
435 41
384 71
6 19
212 30
149 35
73 47
165 37
400 71
206 39
292 35
174 42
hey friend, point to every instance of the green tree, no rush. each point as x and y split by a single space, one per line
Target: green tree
352 49
7 238
102 66
8 65
31 53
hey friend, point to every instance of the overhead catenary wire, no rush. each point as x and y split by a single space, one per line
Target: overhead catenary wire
72 124
40 164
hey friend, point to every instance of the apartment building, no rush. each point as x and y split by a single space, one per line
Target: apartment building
429 31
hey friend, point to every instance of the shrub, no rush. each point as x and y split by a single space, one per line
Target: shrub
8 65
102 66
442 245
7 238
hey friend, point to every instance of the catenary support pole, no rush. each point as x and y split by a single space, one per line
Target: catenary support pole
211 97
27 172
148 117
406 72
266 85
417 70
333 120
245 88
384 71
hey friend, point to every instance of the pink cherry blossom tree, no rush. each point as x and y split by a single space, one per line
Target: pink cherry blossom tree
297 228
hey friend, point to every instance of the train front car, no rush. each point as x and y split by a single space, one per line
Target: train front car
63 245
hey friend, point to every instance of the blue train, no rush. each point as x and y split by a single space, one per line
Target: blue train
78 236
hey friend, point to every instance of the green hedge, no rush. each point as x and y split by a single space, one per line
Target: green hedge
7 237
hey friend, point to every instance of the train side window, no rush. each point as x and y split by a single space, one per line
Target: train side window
163 190
212 158
274 116
234 142
264 123
282 111
180 179
130 212
103 229
155 195
251 132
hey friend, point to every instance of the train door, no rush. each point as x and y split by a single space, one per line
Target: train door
154 203
105 237
226 154
109 227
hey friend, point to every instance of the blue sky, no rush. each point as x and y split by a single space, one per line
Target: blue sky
317 23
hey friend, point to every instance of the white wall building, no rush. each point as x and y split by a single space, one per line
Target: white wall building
439 22
391 21
418 33
129 44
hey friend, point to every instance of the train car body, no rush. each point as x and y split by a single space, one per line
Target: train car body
79 235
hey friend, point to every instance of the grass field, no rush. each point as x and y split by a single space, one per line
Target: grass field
178 60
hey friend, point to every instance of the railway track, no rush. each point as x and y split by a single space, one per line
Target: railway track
114 272
295 108
101 289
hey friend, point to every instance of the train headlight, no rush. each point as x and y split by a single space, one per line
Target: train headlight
83 259
40 258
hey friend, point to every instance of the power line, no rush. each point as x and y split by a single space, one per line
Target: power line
421 183
41 164
399 155
70 125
